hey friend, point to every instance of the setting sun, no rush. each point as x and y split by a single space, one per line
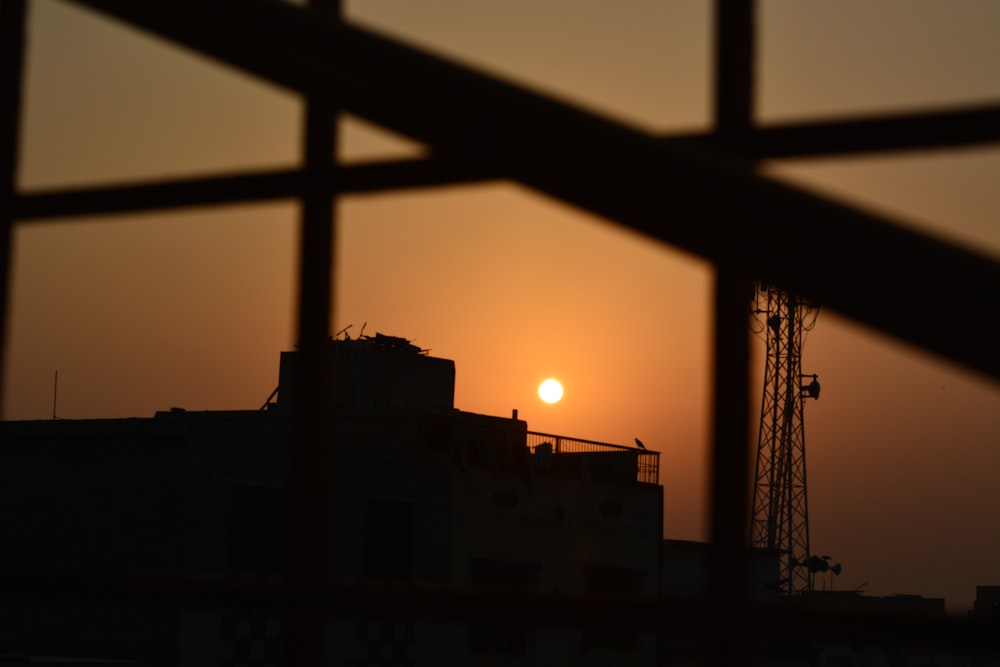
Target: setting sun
550 391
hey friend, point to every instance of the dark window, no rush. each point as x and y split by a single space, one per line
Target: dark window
437 436
257 529
510 638
480 454
602 581
388 540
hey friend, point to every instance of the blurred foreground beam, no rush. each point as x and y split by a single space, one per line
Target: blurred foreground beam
13 26
922 130
241 188
849 136
733 41
680 192
312 422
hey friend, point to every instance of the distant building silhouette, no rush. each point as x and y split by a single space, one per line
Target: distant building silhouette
422 494
987 603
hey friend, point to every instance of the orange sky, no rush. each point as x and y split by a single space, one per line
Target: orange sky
142 313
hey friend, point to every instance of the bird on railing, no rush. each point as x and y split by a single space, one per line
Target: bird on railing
638 443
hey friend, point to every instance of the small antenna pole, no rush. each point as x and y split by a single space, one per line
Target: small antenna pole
55 394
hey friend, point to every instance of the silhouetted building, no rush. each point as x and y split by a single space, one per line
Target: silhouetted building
421 494
685 580
685 571
987 602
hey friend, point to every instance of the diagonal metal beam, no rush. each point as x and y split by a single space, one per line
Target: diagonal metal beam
695 199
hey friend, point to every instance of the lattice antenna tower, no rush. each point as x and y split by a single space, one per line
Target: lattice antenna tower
780 514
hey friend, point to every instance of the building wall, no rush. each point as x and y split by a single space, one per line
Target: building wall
384 372
419 496
141 495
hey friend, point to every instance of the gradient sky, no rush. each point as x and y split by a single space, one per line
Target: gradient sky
140 313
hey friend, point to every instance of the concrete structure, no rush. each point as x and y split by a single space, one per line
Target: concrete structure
987 603
422 494
684 578
685 569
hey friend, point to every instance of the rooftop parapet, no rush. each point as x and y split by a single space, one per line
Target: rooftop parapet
599 460
376 372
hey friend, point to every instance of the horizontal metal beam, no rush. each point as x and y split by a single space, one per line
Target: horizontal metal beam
137 197
799 140
849 136
236 188
955 128
701 201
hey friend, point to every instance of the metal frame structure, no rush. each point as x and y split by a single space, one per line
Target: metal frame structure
779 517
667 188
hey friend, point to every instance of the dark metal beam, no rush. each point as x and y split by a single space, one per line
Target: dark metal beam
157 195
694 199
814 139
312 423
237 188
734 48
729 566
953 128
848 136
13 20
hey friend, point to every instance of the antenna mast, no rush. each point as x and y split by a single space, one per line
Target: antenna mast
780 514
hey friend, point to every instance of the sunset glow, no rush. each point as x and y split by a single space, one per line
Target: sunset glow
192 306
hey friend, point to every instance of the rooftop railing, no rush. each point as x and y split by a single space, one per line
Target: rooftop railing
648 462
